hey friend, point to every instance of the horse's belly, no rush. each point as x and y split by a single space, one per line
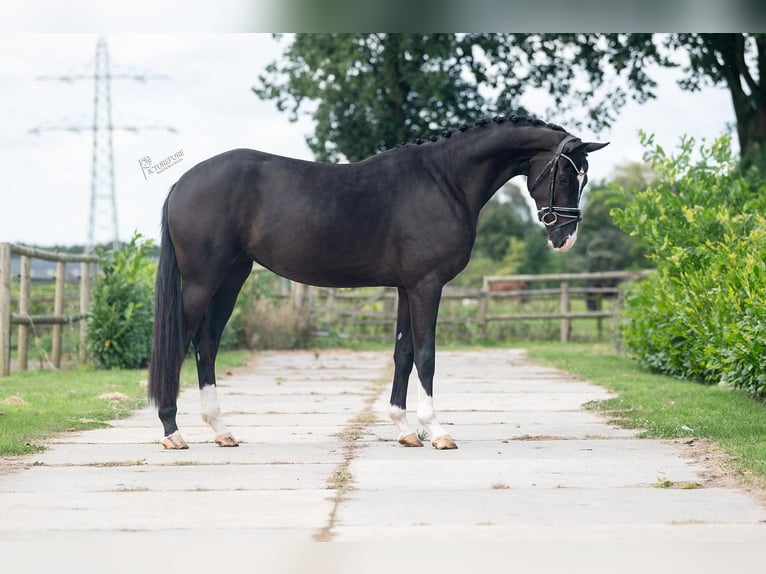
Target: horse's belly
326 266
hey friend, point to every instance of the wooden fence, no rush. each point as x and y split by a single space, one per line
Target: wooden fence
597 285
23 319
333 306
356 307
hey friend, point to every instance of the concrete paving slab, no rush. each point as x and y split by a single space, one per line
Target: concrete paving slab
532 466
261 404
485 466
577 507
699 536
202 451
302 386
149 510
169 478
472 427
241 419
251 433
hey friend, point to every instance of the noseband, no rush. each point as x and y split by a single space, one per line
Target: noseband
550 215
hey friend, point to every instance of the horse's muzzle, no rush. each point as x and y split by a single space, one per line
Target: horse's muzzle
562 243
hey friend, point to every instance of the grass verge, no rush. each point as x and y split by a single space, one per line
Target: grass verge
665 407
37 404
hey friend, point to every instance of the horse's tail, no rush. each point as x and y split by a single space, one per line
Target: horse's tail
168 347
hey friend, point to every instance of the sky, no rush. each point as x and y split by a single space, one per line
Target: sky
201 88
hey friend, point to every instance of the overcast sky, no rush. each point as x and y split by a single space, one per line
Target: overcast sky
206 97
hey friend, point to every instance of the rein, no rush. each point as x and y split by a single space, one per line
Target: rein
550 215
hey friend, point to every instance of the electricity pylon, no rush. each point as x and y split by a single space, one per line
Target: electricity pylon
103 199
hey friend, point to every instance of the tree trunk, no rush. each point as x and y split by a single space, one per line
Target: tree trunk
748 95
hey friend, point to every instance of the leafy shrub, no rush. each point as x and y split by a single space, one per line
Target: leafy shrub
262 321
275 325
121 315
702 315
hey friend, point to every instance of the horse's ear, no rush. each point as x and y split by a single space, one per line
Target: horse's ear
587 147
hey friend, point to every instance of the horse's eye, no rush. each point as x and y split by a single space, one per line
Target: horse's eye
563 180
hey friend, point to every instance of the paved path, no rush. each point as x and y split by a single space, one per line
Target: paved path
318 462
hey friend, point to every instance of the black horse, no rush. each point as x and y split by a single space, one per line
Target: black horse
405 218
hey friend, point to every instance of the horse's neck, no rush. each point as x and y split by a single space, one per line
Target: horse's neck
492 155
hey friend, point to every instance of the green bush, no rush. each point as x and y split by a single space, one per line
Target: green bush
260 320
702 315
121 314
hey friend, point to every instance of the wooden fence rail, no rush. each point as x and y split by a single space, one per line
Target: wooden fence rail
353 307
564 291
23 319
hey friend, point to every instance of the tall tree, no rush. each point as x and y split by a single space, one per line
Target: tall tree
368 92
738 62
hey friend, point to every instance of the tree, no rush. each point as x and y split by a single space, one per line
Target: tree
506 215
369 92
737 61
374 91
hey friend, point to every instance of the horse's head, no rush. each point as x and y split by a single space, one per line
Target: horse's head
556 180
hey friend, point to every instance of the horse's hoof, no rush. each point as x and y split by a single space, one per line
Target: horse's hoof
226 440
444 443
175 442
410 440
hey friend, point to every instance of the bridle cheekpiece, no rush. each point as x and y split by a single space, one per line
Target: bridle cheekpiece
551 214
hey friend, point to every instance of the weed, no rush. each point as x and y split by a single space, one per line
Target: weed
663 483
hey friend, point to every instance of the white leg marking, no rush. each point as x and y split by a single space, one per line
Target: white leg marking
399 416
211 412
427 415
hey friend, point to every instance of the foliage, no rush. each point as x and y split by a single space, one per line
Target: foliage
506 215
261 320
701 315
121 315
368 92
601 244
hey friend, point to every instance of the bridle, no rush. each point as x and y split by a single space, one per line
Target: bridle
550 215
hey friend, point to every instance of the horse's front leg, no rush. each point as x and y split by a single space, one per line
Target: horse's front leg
403 359
424 307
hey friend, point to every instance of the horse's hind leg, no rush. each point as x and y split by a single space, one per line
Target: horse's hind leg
403 359
196 298
207 340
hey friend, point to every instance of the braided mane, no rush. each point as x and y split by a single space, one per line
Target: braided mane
480 123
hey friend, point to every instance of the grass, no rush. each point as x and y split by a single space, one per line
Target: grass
57 401
665 407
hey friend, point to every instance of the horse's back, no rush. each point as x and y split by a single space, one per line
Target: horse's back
323 224
302 219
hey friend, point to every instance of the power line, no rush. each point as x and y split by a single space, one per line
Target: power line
103 200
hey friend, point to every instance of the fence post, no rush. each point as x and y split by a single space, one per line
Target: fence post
483 307
82 355
566 322
297 295
5 309
23 337
58 310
